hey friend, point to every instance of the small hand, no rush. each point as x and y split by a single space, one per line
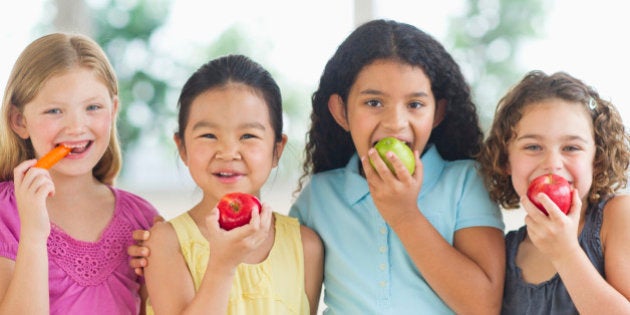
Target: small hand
138 251
32 187
394 194
555 234
233 247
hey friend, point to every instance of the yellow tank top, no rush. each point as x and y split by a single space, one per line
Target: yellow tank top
274 286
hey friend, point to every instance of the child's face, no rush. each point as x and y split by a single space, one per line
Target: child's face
229 141
389 98
553 136
73 108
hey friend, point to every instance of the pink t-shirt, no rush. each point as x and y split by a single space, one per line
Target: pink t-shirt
86 277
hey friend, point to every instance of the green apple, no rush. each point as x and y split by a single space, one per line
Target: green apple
402 151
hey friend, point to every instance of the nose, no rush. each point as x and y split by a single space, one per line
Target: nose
76 122
553 161
228 150
395 118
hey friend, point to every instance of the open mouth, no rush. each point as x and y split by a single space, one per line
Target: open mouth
80 147
226 174
405 142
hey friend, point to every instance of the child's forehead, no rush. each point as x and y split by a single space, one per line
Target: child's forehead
73 84
392 75
230 104
553 104
554 116
394 63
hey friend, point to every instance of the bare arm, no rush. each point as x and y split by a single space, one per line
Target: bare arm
29 272
468 275
138 251
169 284
475 270
590 292
313 266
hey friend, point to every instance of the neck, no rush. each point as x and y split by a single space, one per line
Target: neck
72 185
204 206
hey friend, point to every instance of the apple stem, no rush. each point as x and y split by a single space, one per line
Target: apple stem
235 206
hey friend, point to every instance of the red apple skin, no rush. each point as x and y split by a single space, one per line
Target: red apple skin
235 209
556 187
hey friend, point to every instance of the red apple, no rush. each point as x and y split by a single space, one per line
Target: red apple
235 209
556 187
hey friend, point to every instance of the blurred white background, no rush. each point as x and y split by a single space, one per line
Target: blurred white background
581 37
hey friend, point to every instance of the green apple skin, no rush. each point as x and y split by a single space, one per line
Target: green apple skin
400 149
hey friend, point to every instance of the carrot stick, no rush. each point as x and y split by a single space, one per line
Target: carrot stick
55 155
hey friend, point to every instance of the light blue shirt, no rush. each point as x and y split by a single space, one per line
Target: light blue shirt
366 268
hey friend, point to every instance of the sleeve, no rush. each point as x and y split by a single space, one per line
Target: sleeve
299 209
475 206
137 210
9 222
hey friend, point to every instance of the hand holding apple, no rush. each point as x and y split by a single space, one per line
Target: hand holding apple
556 187
402 151
235 209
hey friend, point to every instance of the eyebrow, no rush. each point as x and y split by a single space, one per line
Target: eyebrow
97 98
54 101
377 92
564 138
207 124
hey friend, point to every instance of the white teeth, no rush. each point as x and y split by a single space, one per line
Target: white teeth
77 146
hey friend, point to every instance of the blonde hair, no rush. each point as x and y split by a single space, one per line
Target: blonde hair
612 141
44 58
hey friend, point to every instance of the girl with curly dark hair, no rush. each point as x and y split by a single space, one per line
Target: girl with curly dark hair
557 263
399 243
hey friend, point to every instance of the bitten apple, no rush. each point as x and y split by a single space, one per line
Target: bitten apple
235 209
402 151
556 187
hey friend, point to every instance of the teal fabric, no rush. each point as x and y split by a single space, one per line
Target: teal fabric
367 270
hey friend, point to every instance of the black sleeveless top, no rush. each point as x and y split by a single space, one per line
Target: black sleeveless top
551 296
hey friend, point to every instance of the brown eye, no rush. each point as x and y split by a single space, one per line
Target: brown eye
416 105
373 103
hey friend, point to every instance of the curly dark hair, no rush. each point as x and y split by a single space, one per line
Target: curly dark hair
459 135
612 142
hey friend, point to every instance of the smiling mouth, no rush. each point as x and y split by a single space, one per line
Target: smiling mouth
79 148
226 174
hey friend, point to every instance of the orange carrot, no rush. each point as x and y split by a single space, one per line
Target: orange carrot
55 155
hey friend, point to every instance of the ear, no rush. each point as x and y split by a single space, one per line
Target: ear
338 111
115 102
181 148
18 122
279 148
440 112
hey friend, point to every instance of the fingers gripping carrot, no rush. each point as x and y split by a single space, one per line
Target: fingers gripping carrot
55 155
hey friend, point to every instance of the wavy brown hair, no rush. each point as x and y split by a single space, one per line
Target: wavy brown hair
612 142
